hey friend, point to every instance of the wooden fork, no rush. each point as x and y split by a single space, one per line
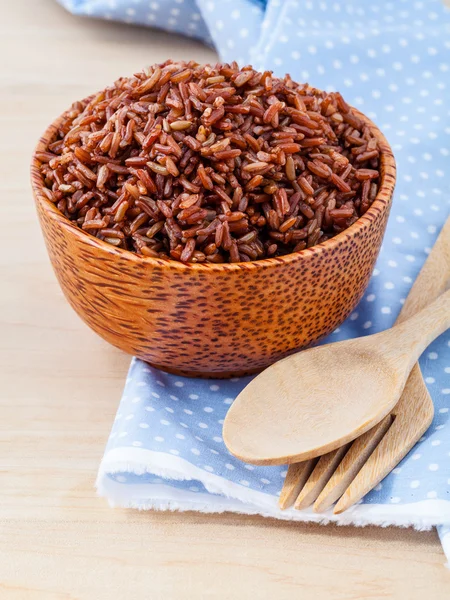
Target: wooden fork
348 473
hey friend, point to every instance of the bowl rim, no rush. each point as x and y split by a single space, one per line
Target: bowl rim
382 202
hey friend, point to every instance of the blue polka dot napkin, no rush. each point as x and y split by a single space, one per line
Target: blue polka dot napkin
391 60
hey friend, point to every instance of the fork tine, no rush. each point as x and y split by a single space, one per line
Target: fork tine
296 477
352 462
414 414
319 477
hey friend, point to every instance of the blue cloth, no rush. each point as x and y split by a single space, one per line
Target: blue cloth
391 60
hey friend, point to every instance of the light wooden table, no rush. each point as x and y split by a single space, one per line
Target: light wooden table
60 385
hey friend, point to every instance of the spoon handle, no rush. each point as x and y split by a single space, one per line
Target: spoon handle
411 337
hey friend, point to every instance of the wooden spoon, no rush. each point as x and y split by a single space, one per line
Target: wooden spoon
317 400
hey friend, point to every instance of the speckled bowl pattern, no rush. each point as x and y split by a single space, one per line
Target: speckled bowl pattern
214 320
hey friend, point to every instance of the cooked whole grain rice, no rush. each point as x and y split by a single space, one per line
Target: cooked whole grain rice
211 163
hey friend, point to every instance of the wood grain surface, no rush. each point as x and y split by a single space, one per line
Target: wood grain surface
60 385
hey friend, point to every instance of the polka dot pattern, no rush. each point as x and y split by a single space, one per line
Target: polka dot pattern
392 60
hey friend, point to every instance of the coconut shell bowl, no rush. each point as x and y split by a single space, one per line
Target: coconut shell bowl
214 320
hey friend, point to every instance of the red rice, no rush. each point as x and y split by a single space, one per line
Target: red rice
211 163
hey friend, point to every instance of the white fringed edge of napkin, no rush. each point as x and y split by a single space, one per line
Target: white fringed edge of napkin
237 498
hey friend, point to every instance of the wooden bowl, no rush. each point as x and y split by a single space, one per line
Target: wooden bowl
214 320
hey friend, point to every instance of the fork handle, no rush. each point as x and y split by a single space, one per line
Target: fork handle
434 277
